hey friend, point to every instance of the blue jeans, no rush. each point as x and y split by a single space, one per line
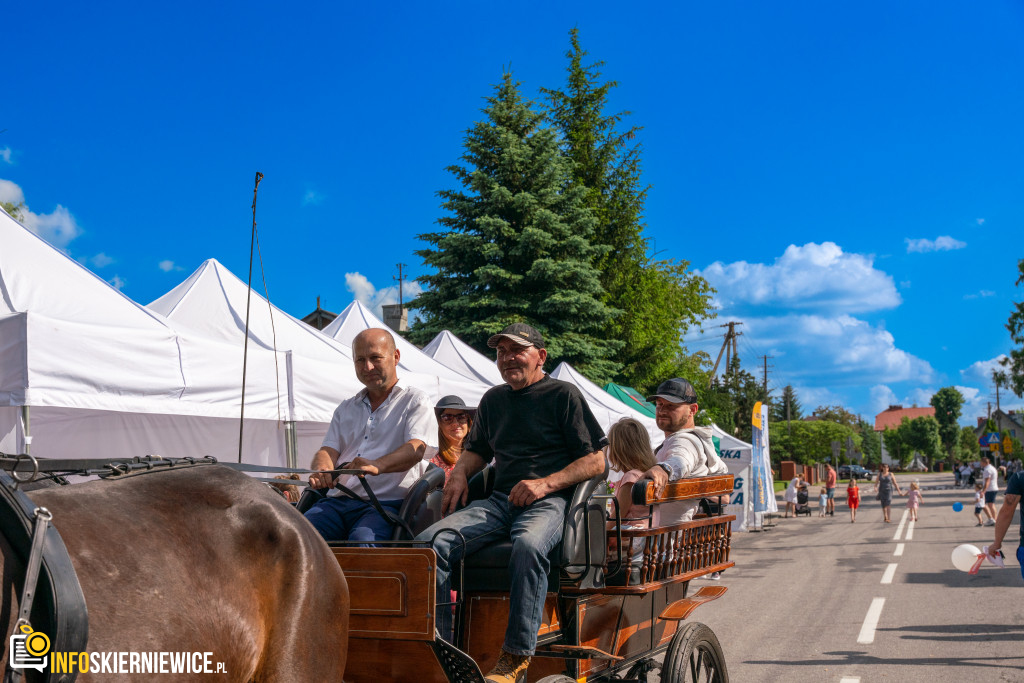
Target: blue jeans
339 518
534 530
1020 559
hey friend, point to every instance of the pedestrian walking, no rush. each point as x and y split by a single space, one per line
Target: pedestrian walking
990 478
884 486
823 502
853 498
914 498
791 493
1011 499
979 503
830 486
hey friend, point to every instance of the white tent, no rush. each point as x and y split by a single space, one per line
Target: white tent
86 371
456 354
416 367
606 408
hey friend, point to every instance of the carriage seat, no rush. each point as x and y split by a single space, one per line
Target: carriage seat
420 508
584 530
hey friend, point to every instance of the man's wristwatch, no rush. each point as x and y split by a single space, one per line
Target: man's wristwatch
664 466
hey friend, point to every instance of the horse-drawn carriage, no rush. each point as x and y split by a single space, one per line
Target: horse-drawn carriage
608 616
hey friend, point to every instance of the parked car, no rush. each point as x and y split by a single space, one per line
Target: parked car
854 472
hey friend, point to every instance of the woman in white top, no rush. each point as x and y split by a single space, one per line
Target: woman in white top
790 496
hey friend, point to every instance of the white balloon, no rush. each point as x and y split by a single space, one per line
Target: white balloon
964 556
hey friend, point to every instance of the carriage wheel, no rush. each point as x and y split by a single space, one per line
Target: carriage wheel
694 656
557 678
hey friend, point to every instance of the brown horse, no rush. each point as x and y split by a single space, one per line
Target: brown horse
199 559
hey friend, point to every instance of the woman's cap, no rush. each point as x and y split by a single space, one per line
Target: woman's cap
452 402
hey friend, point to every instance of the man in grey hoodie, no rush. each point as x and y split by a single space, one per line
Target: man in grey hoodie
688 450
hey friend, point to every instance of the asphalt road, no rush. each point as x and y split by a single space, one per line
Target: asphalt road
801 593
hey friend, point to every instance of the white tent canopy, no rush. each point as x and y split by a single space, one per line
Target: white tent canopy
456 354
606 408
434 378
86 360
737 455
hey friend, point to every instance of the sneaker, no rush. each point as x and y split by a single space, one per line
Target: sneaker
990 522
510 668
715 576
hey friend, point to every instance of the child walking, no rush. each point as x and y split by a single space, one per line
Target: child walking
979 502
914 499
853 499
822 501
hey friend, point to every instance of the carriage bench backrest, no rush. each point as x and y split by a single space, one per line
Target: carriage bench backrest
692 488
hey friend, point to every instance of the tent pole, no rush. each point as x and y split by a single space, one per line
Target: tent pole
290 446
26 430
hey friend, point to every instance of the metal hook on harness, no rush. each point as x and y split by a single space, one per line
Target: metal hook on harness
14 471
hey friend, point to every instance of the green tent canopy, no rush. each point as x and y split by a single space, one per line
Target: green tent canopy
631 397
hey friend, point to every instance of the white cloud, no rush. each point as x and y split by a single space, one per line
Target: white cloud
5 154
365 292
944 243
101 260
985 293
832 351
882 397
117 282
812 276
981 371
312 198
57 228
980 221
167 266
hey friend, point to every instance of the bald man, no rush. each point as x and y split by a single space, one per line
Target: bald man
383 430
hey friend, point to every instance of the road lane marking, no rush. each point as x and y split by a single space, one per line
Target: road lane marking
899 529
890 571
910 531
899 550
867 630
849 679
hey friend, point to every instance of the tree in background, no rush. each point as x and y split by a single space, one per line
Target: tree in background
778 409
15 211
659 300
837 414
921 435
1014 362
893 440
967 444
947 403
517 244
807 443
871 445
730 401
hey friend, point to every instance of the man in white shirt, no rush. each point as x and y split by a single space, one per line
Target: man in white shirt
991 478
383 430
688 450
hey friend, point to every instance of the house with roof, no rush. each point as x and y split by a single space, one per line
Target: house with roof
891 418
1009 421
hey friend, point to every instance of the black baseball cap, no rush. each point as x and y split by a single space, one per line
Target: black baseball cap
452 402
676 390
521 334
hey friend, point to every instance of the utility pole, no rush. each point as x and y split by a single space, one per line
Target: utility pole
730 336
765 358
401 300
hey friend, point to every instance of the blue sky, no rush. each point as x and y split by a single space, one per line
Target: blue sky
848 177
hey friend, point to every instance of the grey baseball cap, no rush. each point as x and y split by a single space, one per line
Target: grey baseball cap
677 390
452 402
520 333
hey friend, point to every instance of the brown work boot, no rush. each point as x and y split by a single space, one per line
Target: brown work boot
510 668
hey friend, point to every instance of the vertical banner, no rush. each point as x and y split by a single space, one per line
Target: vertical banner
762 494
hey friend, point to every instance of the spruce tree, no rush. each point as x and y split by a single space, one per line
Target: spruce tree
778 410
516 244
659 299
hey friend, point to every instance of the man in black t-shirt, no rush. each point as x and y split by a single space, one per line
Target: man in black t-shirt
543 439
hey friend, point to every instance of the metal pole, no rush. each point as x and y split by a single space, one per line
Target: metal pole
26 431
291 456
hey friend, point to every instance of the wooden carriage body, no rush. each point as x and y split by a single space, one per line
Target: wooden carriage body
591 630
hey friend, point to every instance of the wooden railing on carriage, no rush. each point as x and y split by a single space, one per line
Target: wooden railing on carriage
675 553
